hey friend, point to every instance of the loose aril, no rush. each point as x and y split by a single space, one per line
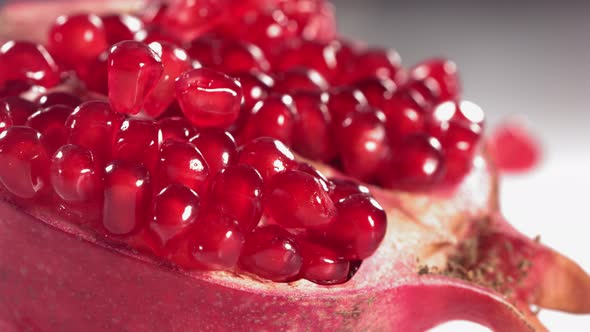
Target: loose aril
208 98
134 70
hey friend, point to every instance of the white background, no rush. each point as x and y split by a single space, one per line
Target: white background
527 58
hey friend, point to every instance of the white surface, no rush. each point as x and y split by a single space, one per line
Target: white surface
528 58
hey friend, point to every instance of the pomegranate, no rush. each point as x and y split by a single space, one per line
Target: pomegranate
160 189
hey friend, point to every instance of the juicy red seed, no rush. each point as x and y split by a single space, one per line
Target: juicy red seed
96 75
75 176
133 72
377 91
188 19
320 56
296 199
359 228
50 122
5 120
363 143
175 62
307 168
271 253
154 13
322 265
237 192
138 141
343 188
176 208
417 164
23 162
218 147
24 61
343 101
459 142
177 128
465 112
374 63
77 39
209 98
275 117
240 56
205 50
437 80
403 118
181 162
313 137
93 125
514 148
18 109
299 79
119 27
214 244
14 88
127 195
255 86
59 98
315 20
155 33
268 156
267 29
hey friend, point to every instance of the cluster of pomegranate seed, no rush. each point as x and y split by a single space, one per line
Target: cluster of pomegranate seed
173 132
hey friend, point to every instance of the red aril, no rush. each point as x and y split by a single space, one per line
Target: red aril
294 199
342 188
240 56
434 81
344 100
75 176
120 27
5 120
127 198
275 117
176 128
25 162
513 147
377 90
402 119
175 209
299 79
267 155
133 72
24 61
208 98
374 63
51 123
255 86
18 109
322 265
272 253
218 147
181 162
313 134
59 98
138 141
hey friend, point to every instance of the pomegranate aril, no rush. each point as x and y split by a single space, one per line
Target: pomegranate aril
417 164
320 56
313 135
59 98
215 243
299 79
133 72
119 27
23 162
344 100
138 141
75 176
275 117
272 253
307 168
14 88
343 188
295 199
256 86
218 147
363 143
176 128
315 20
27 61
205 49
267 155
93 125
181 162
513 148
359 228
96 75
208 98
51 123
377 90
240 56
127 198
175 209
155 33
188 19
403 118
175 62
266 29
435 80
77 39
322 265
18 109
5 120
374 63
464 112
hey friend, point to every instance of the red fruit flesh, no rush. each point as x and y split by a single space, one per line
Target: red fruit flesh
217 147
176 208
75 176
133 72
77 39
275 117
268 156
23 61
208 98
322 265
50 122
181 162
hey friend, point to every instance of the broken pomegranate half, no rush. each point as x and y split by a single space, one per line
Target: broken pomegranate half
233 165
